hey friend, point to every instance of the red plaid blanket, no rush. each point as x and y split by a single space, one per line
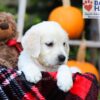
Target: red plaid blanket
13 86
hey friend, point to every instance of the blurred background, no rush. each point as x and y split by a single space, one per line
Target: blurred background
40 10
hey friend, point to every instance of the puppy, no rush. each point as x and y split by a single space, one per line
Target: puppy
46 48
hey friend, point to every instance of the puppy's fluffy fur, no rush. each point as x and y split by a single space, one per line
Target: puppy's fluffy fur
42 45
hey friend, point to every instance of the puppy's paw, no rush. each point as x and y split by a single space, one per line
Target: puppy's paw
64 84
33 75
64 78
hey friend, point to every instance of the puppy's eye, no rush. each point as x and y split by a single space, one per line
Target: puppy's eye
64 44
49 44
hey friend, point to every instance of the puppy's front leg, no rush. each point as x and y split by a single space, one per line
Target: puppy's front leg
29 68
64 78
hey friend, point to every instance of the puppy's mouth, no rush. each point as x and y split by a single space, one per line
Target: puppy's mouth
58 64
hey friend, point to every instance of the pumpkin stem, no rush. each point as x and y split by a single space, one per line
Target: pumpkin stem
66 2
82 50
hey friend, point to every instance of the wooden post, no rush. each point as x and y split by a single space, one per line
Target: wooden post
95 36
99 28
99 41
81 54
66 2
21 15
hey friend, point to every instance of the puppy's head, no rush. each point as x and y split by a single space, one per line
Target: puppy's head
48 43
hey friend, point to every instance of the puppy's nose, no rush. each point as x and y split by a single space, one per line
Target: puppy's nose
61 58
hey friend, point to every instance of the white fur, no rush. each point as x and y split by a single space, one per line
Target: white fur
64 78
37 56
74 69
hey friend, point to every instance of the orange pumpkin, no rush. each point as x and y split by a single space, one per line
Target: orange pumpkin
84 67
70 18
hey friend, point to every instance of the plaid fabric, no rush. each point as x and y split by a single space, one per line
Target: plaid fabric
13 86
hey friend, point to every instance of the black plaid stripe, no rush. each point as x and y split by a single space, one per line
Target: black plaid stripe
3 96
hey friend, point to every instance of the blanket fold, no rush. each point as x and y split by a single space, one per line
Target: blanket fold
13 86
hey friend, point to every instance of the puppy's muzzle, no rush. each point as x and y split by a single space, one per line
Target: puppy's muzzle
61 58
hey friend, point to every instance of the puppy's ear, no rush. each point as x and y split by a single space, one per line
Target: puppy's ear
31 42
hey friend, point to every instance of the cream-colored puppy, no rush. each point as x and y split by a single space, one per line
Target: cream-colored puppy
46 48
